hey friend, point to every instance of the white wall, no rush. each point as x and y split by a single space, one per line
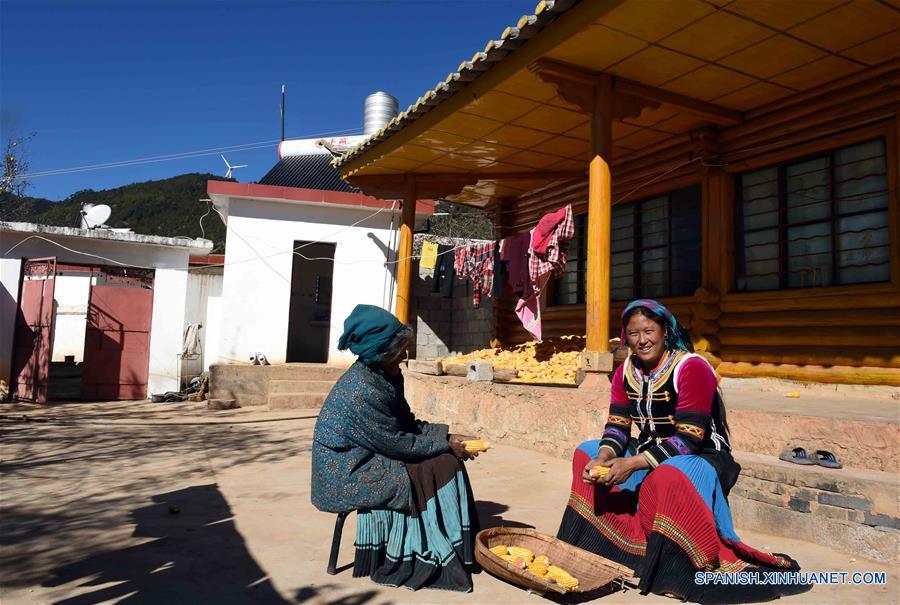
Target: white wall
167 329
168 292
202 288
70 297
10 271
256 292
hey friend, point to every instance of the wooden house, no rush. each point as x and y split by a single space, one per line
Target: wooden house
736 159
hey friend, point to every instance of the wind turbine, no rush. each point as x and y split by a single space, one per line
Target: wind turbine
231 168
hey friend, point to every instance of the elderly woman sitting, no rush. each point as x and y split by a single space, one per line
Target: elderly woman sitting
416 517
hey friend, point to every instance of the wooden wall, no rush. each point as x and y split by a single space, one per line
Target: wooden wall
854 331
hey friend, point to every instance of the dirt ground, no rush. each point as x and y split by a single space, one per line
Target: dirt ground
168 503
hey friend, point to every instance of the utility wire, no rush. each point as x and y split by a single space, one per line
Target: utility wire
180 155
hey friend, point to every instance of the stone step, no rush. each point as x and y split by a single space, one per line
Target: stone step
299 386
296 401
854 510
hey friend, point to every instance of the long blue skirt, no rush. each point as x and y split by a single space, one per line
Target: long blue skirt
432 545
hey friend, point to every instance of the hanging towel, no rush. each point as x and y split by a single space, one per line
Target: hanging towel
191 340
528 310
429 255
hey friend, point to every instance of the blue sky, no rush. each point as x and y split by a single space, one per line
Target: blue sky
110 81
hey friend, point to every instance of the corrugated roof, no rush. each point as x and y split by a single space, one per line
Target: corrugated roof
545 13
307 172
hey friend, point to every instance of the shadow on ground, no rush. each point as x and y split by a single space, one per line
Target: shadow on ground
490 515
195 555
67 490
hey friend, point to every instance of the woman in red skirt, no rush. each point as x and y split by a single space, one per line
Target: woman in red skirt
661 509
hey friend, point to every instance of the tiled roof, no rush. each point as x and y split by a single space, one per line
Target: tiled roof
545 13
307 172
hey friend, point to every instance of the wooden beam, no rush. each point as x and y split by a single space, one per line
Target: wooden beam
575 84
714 114
599 219
404 252
433 186
578 87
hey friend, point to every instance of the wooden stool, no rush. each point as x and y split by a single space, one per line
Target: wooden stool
336 543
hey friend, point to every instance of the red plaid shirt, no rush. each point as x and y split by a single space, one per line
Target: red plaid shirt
554 261
477 261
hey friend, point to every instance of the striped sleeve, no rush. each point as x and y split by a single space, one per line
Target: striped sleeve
696 384
618 425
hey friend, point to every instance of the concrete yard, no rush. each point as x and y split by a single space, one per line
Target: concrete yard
169 503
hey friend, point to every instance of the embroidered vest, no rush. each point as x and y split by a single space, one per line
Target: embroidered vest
653 398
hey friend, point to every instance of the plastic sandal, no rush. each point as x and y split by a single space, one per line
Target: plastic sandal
797 456
827 459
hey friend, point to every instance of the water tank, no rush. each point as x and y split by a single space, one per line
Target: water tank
379 109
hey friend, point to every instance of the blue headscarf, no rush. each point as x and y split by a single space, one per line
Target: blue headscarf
676 336
367 331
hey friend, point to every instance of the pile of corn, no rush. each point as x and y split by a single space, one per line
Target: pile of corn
555 360
539 566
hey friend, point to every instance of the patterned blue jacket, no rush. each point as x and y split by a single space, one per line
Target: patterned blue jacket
364 434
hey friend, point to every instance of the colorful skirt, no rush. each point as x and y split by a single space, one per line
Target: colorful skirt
432 545
668 525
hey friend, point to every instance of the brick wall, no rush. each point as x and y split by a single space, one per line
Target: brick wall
446 326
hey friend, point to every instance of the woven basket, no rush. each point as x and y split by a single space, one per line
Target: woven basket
594 573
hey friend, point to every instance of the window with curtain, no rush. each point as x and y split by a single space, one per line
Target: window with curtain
820 221
655 250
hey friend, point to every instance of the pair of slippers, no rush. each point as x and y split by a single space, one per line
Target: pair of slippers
821 457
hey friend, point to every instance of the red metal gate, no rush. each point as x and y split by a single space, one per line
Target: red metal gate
117 339
32 346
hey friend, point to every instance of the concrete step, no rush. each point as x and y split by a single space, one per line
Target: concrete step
296 401
300 386
304 371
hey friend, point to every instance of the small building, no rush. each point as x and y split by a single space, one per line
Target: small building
93 314
737 160
302 249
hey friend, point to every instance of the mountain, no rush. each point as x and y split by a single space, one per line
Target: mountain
168 207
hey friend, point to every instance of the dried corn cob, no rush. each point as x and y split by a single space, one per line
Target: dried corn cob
562 577
521 552
542 559
599 471
499 550
476 445
515 560
538 568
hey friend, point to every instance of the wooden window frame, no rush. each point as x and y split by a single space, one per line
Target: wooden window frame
823 151
637 249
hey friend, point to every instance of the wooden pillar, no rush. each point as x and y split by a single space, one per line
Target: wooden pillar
404 252
597 356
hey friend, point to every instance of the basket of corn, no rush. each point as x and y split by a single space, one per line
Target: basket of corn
543 564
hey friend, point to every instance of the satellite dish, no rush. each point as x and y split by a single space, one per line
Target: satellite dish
94 216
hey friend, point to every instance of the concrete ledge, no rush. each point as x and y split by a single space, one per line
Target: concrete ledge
556 420
249 385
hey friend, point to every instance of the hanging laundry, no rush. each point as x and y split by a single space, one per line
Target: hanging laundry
515 257
444 272
544 265
429 255
476 262
546 227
